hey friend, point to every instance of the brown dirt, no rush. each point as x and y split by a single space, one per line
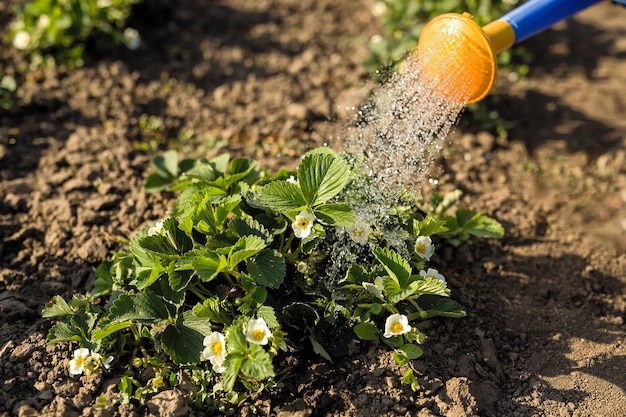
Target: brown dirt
545 333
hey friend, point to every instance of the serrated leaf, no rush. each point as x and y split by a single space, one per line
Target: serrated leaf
335 214
394 265
389 284
322 176
63 332
249 226
181 242
242 169
183 341
366 331
57 307
267 313
145 307
158 245
257 364
268 268
145 277
209 266
178 279
282 196
245 248
211 309
485 227
429 226
430 285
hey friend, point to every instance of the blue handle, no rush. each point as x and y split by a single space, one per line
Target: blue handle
536 15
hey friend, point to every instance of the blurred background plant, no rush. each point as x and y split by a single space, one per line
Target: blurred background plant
402 22
7 87
51 32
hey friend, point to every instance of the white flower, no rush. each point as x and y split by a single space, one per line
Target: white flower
303 267
21 40
100 360
378 9
215 351
156 229
131 38
257 332
43 22
303 224
432 272
424 247
292 180
359 232
77 365
396 324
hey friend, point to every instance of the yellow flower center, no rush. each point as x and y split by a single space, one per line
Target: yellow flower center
421 248
258 335
217 348
303 224
397 327
80 361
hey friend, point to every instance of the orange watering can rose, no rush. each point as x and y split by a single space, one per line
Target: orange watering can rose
457 58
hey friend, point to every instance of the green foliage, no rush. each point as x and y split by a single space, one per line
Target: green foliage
53 32
7 88
249 267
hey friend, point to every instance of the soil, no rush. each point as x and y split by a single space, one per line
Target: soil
270 79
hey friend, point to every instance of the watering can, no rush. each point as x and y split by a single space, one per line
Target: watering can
457 58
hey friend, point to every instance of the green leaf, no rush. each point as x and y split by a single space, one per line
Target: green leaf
184 340
100 334
267 313
147 276
431 285
394 265
356 274
158 245
335 214
322 176
390 286
249 226
429 226
257 364
211 309
268 268
245 248
57 308
63 332
437 306
309 243
282 196
411 351
366 331
300 316
145 307
210 265
232 365
181 242
242 169
319 349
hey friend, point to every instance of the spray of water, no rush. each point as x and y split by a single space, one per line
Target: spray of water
399 131
401 128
